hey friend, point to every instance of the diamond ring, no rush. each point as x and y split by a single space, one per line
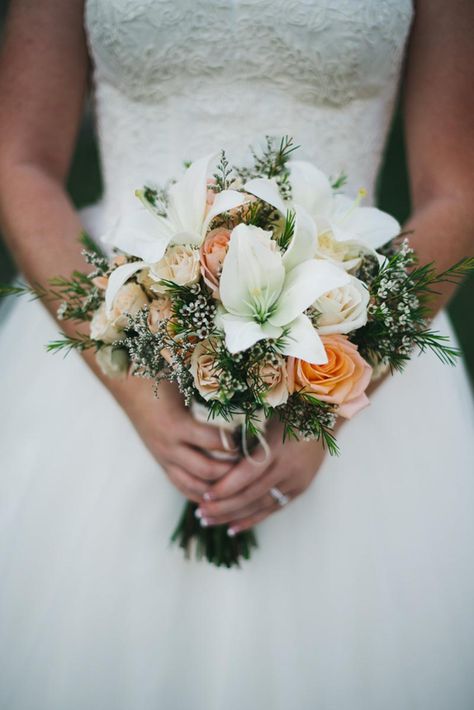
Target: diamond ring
280 497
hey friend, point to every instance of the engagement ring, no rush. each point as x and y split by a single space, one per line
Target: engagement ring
280 497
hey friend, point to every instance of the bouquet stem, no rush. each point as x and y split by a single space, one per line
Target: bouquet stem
213 543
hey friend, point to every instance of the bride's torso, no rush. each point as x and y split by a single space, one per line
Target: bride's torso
177 79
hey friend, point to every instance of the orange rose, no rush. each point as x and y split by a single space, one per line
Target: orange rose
212 257
342 380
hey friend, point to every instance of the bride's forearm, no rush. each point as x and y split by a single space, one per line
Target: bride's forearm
42 229
39 224
442 231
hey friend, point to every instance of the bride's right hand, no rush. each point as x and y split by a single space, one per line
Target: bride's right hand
172 435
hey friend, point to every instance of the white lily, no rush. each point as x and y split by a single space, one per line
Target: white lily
303 245
337 216
264 294
143 233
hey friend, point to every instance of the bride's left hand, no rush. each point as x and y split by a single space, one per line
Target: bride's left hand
242 498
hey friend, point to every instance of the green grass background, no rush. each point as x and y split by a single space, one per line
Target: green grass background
84 186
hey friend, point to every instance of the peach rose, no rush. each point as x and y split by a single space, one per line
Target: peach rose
274 375
160 310
206 379
212 257
342 380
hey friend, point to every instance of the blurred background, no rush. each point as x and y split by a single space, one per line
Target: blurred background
84 185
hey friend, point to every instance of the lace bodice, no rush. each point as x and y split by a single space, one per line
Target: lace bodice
177 79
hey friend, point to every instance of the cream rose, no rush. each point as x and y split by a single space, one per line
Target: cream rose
212 255
108 327
180 264
128 301
275 377
102 328
343 309
113 361
203 369
342 380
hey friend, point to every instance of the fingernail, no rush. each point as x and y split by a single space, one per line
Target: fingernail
198 513
204 523
209 496
231 532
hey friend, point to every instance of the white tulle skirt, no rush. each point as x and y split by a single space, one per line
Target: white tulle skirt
359 598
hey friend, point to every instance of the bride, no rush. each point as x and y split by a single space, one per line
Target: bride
360 597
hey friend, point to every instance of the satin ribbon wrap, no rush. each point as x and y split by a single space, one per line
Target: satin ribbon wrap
228 426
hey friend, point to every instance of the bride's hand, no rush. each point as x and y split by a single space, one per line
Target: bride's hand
172 435
242 498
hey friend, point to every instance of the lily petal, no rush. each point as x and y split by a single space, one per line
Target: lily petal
303 245
117 279
187 197
141 233
310 187
223 202
266 190
241 333
375 227
253 274
368 224
303 285
304 342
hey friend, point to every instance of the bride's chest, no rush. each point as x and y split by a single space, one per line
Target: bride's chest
331 50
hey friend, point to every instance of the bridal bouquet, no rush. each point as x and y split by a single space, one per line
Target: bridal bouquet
262 292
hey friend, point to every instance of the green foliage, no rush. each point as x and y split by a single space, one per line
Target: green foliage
223 173
273 160
67 343
339 182
401 293
90 245
304 416
288 230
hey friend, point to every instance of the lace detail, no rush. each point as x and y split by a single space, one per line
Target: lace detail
176 79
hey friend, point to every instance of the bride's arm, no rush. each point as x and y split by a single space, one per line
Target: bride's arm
439 130
43 83
439 110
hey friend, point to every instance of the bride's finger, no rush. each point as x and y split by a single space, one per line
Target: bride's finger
247 523
261 504
186 484
240 476
200 466
273 476
203 436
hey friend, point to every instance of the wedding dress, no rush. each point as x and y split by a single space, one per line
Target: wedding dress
361 594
